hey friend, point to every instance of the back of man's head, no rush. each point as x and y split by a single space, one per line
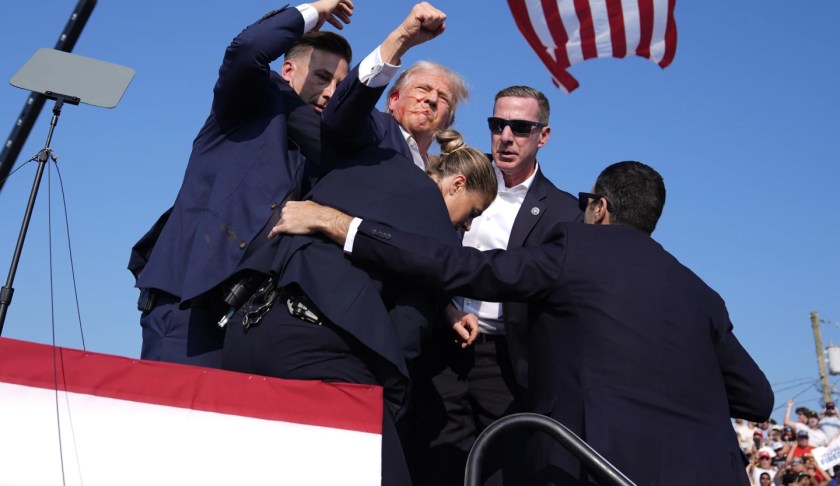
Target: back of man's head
323 41
635 194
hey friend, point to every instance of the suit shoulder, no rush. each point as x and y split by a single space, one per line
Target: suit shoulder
558 196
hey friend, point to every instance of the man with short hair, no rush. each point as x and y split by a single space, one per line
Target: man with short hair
315 65
633 349
472 387
246 161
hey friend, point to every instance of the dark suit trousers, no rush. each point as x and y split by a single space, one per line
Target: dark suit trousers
458 393
284 346
185 336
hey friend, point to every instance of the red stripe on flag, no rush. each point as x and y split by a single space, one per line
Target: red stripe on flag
645 28
618 36
337 405
587 29
556 67
558 32
670 37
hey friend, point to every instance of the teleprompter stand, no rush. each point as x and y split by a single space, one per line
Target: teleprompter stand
67 79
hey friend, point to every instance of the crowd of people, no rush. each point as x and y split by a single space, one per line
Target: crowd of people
316 237
781 454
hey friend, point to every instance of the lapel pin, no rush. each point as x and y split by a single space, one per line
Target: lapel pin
535 210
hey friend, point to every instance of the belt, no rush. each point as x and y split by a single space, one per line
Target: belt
149 298
484 338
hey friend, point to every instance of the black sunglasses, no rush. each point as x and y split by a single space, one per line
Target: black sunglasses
584 197
518 127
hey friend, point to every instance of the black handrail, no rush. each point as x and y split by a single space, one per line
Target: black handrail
599 466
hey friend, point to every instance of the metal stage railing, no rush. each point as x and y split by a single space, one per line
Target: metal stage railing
599 467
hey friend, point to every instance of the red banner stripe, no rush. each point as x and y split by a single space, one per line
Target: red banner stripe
337 405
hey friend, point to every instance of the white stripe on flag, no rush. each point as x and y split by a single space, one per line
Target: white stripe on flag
601 22
570 21
660 22
537 18
632 26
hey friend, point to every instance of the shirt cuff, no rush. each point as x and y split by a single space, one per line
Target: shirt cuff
351 235
375 73
310 16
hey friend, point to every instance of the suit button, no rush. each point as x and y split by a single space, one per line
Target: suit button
273 205
242 245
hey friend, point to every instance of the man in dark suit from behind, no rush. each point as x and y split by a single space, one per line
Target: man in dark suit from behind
634 353
469 388
246 160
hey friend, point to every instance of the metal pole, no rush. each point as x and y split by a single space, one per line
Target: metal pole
826 388
44 157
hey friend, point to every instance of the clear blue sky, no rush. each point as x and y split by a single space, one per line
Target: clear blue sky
743 127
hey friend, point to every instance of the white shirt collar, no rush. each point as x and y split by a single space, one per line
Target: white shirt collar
521 187
419 161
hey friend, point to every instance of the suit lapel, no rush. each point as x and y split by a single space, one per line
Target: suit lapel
533 208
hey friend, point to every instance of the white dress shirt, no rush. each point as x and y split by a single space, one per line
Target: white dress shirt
491 231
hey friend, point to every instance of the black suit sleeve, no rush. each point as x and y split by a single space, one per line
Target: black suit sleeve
244 83
749 393
351 121
520 274
303 125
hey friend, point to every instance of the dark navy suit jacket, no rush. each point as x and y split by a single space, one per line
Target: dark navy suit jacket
543 211
373 175
633 352
239 169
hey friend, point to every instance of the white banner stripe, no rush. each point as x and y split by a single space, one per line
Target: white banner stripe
107 441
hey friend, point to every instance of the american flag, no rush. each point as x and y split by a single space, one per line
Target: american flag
566 32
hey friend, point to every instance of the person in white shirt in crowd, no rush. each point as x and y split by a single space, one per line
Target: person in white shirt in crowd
762 465
830 422
816 437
